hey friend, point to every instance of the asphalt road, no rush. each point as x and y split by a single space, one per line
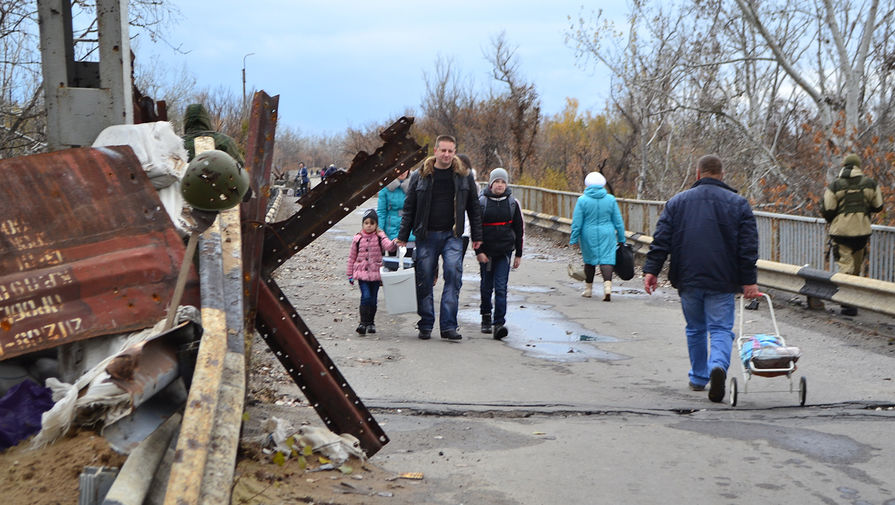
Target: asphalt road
587 401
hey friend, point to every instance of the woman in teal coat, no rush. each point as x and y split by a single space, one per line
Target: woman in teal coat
597 227
389 207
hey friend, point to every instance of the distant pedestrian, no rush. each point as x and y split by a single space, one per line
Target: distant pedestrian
847 204
328 171
710 232
390 207
598 228
364 261
441 195
304 179
502 235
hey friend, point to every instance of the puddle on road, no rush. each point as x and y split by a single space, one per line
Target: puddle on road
540 332
338 234
533 289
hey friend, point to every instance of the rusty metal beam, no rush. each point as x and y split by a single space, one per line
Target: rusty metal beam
329 202
86 249
259 158
295 345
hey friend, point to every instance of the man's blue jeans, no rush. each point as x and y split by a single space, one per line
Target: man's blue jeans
369 292
450 249
495 275
709 316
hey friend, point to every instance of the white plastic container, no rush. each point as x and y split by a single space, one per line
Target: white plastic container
399 287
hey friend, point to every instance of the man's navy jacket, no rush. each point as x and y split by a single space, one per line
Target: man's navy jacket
710 233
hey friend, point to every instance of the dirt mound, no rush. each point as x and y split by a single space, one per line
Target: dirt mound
50 476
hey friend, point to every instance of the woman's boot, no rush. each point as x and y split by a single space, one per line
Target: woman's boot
588 289
607 290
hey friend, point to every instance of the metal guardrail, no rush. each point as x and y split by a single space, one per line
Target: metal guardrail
862 292
794 240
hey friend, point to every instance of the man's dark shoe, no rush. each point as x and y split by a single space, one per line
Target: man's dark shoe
716 384
696 387
848 310
451 335
486 323
500 331
425 334
361 329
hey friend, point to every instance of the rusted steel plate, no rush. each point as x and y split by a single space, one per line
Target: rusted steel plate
329 202
86 249
313 371
259 158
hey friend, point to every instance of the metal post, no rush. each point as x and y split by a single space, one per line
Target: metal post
244 79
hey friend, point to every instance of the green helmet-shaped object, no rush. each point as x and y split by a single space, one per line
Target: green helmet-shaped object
214 181
851 160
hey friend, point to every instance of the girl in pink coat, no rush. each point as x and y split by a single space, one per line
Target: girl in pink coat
364 260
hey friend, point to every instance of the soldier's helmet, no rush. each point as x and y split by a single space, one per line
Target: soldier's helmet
214 181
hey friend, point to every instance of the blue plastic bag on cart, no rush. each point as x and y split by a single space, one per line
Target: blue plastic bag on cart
755 343
767 351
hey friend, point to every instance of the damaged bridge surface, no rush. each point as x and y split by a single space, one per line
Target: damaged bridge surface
587 401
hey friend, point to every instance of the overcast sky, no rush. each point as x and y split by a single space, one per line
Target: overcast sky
341 64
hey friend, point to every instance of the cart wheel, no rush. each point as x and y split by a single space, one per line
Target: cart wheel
803 391
733 392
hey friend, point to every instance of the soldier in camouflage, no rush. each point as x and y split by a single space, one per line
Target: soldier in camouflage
847 204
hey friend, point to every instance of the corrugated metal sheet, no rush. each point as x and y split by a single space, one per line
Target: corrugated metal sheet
86 248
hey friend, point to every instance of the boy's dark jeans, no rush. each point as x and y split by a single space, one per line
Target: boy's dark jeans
495 275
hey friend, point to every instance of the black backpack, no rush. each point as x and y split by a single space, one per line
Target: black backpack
483 201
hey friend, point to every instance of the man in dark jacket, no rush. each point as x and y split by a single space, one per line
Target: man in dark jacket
441 194
711 235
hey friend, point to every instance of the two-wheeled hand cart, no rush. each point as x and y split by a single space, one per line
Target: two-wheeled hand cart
765 355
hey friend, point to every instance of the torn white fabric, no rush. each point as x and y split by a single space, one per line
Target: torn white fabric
101 400
162 155
336 448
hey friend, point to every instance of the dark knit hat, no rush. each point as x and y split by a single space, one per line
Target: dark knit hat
370 214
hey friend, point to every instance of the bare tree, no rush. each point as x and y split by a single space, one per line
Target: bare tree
644 62
840 79
22 113
447 95
522 101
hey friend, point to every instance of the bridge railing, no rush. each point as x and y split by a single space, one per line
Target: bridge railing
783 238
